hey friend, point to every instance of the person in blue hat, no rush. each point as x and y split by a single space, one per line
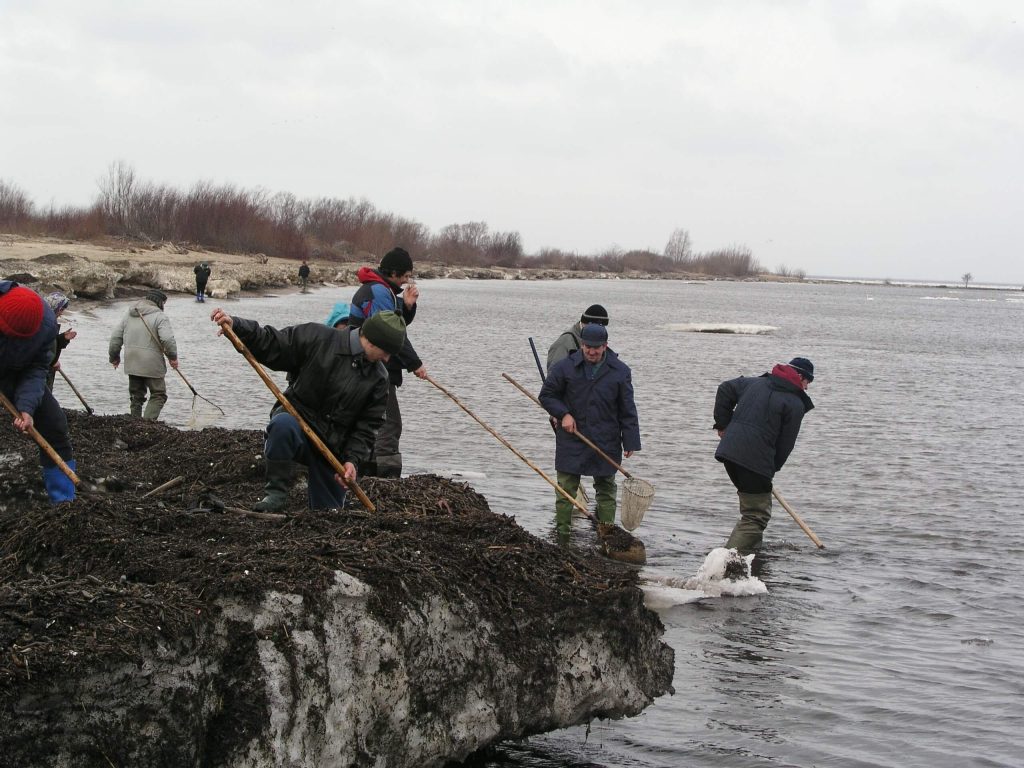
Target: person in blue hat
339 315
758 419
590 391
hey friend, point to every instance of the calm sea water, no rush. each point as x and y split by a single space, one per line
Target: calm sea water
901 644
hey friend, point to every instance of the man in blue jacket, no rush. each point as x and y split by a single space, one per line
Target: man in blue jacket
388 289
28 329
758 420
590 391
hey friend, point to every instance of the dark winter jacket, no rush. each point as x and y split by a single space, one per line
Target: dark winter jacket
603 408
304 271
375 295
24 363
339 393
202 275
761 417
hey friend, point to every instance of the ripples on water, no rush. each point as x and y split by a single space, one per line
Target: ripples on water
900 644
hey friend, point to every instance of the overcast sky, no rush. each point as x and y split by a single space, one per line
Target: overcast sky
876 139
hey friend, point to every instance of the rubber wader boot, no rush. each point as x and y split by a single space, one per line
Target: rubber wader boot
389 465
755 512
279 482
136 410
58 485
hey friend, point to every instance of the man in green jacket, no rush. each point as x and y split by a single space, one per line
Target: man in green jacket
147 338
339 387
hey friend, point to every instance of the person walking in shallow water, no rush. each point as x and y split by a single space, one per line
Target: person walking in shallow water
144 356
202 270
758 419
591 390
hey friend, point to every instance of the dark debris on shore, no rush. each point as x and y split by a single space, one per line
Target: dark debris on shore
114 575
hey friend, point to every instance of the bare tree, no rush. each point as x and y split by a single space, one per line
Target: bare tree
679 246
15 207
966 277
117 196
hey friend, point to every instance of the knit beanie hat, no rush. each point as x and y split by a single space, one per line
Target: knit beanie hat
157 297
804 367
594 335
385 330
57 301
21 312
396 261
595 314
339 313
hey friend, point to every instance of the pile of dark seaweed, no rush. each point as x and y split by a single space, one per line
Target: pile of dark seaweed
113 574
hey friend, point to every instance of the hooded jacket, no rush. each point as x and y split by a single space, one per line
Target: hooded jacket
761 416
567 343
375 295
603 408
338 392
143 356
24 363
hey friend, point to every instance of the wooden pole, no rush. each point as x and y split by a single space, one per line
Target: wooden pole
42 442
73 389
796 517
508 445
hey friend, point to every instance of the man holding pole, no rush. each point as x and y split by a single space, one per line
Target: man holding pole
28 328
338 386
591 390
146 336
758 419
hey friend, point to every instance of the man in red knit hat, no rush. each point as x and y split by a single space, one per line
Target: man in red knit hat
28 328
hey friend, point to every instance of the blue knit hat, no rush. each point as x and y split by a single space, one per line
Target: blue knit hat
804 367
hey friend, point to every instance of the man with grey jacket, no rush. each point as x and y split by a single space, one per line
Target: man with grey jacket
147 338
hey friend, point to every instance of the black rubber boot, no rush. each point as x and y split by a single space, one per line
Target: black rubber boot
279 483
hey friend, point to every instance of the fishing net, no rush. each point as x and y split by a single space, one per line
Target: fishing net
637 496
204 413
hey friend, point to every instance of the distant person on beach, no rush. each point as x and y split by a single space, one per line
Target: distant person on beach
340 389
27 331
144 355
591 390
569 341
758 419
58 303
382 291
202 270
304 275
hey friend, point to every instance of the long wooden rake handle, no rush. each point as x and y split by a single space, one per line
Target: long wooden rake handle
508 445
73 389
586 440
796 517
314 438
42 442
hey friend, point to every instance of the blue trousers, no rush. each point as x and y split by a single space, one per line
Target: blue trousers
287 442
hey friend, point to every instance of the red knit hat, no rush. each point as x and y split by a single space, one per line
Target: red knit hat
21 312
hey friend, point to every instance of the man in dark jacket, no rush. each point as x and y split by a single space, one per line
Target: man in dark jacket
381 291
27 332
202 270
304 275
340 389
590 391
758 420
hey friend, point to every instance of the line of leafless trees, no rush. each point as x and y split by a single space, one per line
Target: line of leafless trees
224 217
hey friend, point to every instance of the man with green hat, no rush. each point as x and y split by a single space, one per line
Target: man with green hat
340 389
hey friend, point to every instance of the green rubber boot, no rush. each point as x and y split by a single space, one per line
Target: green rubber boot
755 512
279 483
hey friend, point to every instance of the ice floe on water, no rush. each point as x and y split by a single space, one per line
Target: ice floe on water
460 474
724 573
739 328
